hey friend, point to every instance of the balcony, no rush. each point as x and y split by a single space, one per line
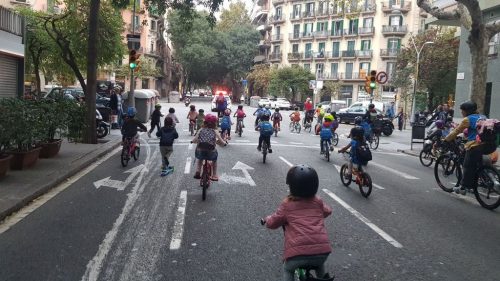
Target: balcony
350 33
349 54
276 19
294 56
308 14
364 54
334 55
322 55
331 76
322 13
395 30
368 8
138 28
308 55
295 17
389 53
275 38
11 22
354 76
294 36
307 36
265 44
366 31
404 7
275 57
336 33
278 2
321 34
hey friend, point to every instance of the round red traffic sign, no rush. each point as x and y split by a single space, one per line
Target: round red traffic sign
382 77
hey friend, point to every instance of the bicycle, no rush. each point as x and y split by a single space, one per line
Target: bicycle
335 139
429 154
191 126
326 150
264 151
295 127
362 178
307 126
129 149
239 127
374 140
206 174
304 273
276 128
487 189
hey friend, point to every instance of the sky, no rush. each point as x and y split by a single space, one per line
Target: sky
249 4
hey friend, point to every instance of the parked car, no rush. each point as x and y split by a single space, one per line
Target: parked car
264 102
214 105
347 116
325 105
281 103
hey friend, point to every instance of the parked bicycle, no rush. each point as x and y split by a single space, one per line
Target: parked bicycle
362 178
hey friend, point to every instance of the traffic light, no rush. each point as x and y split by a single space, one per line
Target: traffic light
133 59
367 84
373 80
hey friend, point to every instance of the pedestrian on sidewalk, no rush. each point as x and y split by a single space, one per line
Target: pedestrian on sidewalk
115 103
167 135
401 118
171 114
155 119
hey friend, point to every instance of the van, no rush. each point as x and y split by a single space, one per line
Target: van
336 105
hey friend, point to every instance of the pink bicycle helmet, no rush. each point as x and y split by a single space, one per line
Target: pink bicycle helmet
210 118
227 112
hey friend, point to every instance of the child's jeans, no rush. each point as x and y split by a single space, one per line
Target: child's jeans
267 139
165 153
153 125
322 143
227 130
301 261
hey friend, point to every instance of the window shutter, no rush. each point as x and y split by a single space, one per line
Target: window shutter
400 20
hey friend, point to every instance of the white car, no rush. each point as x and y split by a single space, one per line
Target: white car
214 105
281 103
264 102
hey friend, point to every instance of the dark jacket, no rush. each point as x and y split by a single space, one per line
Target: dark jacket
155 117
167 136
113 102
129 128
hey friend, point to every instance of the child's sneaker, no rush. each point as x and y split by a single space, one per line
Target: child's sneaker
197 175
270 150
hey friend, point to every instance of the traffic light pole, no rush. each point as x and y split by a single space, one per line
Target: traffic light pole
131 99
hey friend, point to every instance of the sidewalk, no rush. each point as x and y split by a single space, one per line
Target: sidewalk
18 188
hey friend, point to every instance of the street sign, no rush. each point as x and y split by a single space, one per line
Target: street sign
312 84
244 82
382 77
319 84
133 41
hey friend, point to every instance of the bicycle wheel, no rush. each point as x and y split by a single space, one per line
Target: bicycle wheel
365 184
335 139
191 129
275 132
488 188
346 180
447 172
426 158
205 180
374 142
264 152
327 152
136 153
298 128
124 156
291 127
307 128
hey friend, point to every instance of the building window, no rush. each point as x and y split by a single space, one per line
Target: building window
321 26
296 31
308 52
494 45
393 43
319 69
351 45
276 49
353 26
346 91
310 9
336 49
308 29
321 48
323 8
348 70
278 12
368 22
153 25
152 47
364 68
295 48
334 70
307 66
278 32
296 11
396 20
145 84
337 27
390 69
365 45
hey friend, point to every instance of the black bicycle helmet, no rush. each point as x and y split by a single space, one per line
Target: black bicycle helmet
265 117
357 133
358 120
469 107
240 106
371 106
303 181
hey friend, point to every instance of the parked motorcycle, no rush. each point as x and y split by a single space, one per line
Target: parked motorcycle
101 126
384 125
187 101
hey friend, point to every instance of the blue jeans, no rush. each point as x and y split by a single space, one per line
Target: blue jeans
293 263
120 117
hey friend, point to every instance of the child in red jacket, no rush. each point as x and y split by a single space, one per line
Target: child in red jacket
302 215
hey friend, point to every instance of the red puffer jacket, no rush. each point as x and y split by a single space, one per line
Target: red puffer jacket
305 232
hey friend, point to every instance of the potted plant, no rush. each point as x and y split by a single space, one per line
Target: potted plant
53 122
25 133
5 137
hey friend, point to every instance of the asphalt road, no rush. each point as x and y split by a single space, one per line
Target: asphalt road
158 228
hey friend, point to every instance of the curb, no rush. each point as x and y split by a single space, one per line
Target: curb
44 188
408 152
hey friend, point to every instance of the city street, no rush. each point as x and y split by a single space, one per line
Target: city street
116 223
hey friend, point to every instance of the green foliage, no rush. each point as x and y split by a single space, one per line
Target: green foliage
236 15
259 79
186 9
290 81
331 89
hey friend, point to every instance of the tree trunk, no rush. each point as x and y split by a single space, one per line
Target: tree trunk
37 77
90 95
430 100
479 57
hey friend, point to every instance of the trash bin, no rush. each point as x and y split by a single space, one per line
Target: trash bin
174 97
144 101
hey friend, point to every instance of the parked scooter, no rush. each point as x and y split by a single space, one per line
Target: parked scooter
101 126
187 101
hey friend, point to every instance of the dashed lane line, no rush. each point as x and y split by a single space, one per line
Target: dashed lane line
176 241
286 161
393 170
187 168
365 220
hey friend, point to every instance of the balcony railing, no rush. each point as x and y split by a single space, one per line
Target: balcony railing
350 32
349 54
322 13
320 55
354 76
308 55
265 43
294 36
276 19
366 31
368 8
294 17
331 76
295 56
388 6
336 33
335 55
277 2
321 34
389 53
138 28
308 35
364 53
308 14
11 22
394 29
276 37
275 56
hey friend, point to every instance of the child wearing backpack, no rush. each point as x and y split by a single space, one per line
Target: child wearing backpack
360 153
226 123
266 131
325 133
302 215
167 135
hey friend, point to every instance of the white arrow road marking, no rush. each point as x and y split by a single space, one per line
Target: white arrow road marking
392 170
286 161
175 242
187 168
362 218
232 179
120 185
337 167
244 168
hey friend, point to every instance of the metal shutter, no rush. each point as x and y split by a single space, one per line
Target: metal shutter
8 76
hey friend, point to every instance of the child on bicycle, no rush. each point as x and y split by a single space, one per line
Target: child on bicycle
295 116
240 115
277 118
302 215
200 119
192 115
130 125
167 135
171 114
225 124
266 131
357 139
155 119
207 138
326 133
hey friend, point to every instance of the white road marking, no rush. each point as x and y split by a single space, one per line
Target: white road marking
175 242
190 147
120 185
390 153
244 168
187 168
24 212
377 186
242 140
392 170
362 218
337 167
286 161
296 143
185 140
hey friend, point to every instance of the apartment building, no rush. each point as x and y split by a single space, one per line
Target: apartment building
11 49
342 43
491 13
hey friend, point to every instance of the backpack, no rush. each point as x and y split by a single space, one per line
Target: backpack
225 123
363 152
266 129
207 139
326 132
488 132
367 129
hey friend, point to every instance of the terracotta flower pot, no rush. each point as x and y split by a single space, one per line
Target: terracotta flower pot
24 159
4 164
50 149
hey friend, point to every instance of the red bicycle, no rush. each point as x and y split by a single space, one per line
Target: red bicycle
206 175
129 149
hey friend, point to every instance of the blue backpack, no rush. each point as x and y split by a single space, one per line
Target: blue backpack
367 128
266 129
226 122
325 133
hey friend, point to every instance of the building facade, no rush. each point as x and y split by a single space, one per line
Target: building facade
491 13
11 49
343 44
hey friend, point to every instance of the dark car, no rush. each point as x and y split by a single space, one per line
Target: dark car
74 94
347 116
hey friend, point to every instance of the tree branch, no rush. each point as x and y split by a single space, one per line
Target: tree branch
493 28
465 19
437 12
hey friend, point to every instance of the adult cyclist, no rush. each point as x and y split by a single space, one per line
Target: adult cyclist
308 111
221 104
258 113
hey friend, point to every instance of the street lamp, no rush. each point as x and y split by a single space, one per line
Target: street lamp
415 81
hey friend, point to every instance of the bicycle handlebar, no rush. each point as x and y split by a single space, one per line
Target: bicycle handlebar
262 221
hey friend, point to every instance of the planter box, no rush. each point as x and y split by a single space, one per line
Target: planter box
50 149
4 165
25 159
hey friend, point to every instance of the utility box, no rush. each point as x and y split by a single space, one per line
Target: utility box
174 97
144 102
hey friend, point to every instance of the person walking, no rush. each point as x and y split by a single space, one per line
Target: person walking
401 118
115 103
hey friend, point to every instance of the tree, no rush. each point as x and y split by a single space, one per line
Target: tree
331 89
259 79
437 67
471 17
290 82
236 15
